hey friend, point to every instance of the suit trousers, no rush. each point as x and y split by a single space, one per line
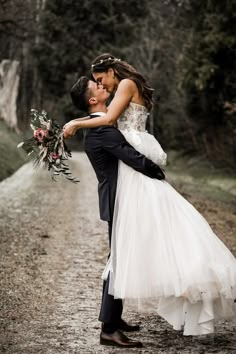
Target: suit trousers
111 309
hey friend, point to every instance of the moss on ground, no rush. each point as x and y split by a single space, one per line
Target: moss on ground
11 158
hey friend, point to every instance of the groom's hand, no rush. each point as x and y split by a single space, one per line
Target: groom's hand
159 172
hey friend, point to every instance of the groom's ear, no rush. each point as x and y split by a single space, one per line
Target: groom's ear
93 100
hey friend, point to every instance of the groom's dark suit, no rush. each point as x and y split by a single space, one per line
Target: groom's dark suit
104 146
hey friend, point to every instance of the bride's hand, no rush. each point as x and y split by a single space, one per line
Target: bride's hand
69 129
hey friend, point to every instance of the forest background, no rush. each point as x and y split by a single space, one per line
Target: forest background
186 49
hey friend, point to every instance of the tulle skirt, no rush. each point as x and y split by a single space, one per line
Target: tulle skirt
164 255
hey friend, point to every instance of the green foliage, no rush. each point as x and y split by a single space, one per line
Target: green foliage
186 49
74 32
209 60
208 75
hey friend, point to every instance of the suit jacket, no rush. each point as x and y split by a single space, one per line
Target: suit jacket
104 146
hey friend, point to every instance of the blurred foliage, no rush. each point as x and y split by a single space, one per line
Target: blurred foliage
207 74
185 48
71 32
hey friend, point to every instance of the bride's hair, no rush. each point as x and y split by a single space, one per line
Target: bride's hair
123 70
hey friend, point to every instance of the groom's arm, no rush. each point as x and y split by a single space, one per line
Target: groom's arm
114 142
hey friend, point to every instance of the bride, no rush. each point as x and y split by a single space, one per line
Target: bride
163 251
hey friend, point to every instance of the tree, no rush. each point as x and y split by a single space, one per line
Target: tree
155 54
208 72
72 33
17 33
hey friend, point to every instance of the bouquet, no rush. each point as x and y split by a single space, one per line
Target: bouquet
47 146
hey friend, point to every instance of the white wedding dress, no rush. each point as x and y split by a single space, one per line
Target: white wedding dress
164 253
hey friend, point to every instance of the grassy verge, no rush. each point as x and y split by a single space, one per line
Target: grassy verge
199 175
11 158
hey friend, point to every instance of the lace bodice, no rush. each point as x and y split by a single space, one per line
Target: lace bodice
133 118
132 124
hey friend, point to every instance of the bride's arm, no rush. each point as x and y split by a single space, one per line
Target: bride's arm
120 101
80 119
69 130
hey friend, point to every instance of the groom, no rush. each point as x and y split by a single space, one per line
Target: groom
104 146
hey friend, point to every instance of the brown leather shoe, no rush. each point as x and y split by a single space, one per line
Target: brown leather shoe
118 339
124 326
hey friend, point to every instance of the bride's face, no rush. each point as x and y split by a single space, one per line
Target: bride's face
107 79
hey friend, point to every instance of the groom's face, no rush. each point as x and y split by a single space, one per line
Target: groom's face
98 91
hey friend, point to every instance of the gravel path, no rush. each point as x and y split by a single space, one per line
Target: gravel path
52 253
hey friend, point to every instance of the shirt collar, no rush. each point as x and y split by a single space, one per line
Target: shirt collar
101 114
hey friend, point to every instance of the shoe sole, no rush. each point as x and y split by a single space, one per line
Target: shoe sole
112 344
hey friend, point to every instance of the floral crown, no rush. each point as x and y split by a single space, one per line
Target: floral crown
102 61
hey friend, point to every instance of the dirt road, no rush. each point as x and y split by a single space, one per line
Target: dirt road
53 250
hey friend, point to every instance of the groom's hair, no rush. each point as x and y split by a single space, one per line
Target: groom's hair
80 94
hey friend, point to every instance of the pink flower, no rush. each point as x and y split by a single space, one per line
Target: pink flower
54 156
39 134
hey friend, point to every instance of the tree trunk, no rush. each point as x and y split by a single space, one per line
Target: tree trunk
9 85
